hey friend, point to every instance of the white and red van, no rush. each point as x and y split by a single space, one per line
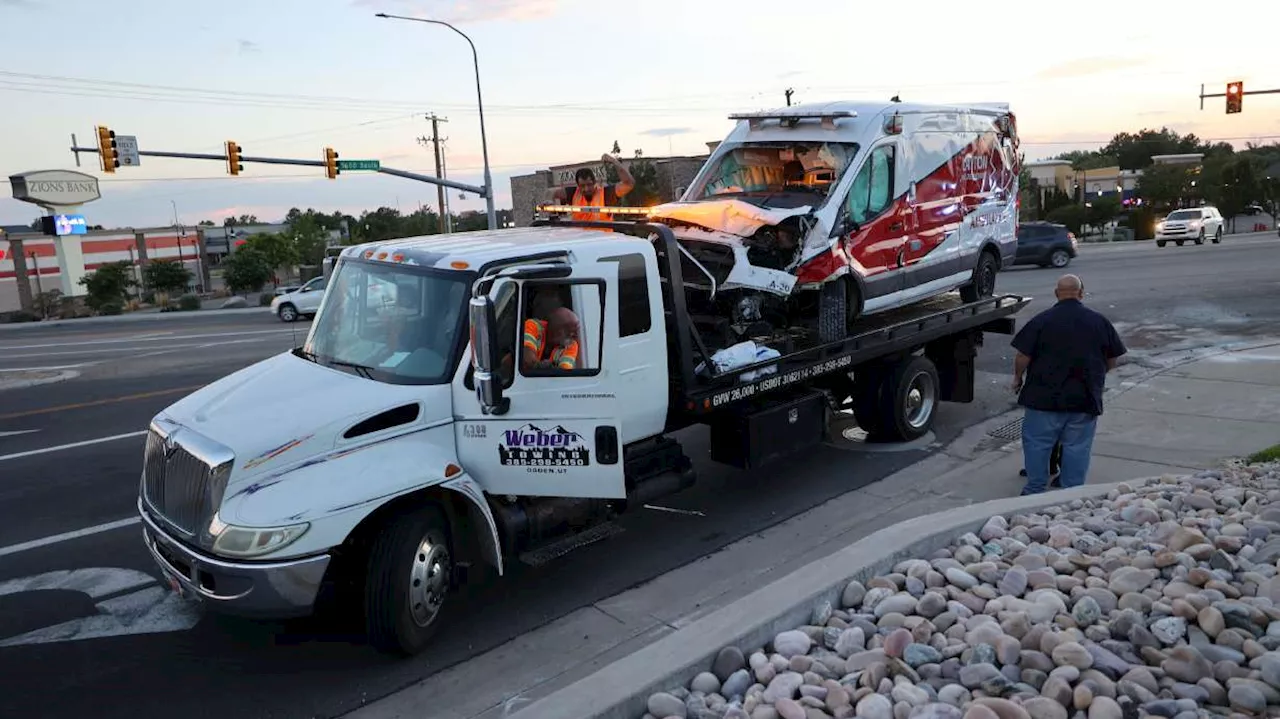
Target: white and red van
834 211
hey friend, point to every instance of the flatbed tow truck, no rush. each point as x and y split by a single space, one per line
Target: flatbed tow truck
403 445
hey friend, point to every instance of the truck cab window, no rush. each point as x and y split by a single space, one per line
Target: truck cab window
872 189
560 329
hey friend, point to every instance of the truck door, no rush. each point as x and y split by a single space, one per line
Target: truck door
561 435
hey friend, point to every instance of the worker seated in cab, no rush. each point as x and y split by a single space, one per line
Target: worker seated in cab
551 343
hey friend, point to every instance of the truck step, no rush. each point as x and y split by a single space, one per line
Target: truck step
560 547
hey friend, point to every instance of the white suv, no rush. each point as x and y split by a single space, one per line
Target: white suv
1194 224
301 302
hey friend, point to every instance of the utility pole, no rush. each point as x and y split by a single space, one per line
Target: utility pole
435 148
790 92
444 173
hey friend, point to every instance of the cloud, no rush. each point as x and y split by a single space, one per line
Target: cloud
248 46
466 11
667 131
19 3
1087 66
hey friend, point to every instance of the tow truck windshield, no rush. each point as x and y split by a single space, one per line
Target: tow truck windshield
390 323
765 173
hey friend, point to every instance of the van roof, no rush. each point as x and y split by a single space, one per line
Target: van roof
861 118
482 247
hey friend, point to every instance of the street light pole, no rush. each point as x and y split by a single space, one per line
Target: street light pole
484 143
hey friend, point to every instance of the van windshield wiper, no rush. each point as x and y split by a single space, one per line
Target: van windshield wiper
362 370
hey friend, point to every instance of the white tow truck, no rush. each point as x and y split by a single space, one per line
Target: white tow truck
403 444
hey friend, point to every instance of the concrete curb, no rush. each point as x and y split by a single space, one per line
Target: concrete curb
137 317
621 690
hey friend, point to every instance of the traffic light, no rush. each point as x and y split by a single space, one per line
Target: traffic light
331 163
1235 97
107 149
233 158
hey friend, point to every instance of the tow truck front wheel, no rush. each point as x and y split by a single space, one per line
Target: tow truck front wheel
409 577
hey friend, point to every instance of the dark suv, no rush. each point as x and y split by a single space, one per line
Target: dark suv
1046 244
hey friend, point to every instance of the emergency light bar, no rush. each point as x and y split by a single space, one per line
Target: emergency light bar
569 209
791 119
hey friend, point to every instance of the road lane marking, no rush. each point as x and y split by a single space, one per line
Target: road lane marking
42 369
73 445
99 402
15 434
68 536
137 338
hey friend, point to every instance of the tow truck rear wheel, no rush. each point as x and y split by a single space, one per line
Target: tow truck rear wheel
409 577
907 399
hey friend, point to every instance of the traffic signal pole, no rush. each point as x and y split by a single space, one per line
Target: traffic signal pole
1240 93
221 157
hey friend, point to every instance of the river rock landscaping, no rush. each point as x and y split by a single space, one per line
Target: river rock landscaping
1161 598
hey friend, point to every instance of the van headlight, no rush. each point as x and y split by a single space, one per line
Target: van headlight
232 541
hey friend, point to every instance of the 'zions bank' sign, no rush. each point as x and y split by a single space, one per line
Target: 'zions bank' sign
55 188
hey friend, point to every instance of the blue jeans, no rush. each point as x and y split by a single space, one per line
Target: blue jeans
1041 431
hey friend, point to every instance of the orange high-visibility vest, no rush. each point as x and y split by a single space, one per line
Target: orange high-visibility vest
581 200
535 337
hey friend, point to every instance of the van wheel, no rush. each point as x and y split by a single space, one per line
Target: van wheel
1217 236
288 313
908 396
983 284
409 576
835 313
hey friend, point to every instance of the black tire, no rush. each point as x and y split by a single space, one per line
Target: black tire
1059 258
287 313
1200 237
908 401
409 575
1217 236
833 311
1179 243
983 284
868 389
1159 243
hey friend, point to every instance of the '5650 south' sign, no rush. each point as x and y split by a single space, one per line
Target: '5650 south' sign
55 188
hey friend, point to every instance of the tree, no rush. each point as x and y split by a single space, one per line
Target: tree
1237 186
1073 216
108 285
646 193
246 270
205 223
166 276
381 224
306 238
240 221
1133 151
1087 160
275 249
1166 186
1103 210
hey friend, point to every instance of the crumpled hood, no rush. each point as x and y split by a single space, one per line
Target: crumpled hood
732 216
286 409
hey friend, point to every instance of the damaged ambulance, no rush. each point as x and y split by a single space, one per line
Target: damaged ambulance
813 216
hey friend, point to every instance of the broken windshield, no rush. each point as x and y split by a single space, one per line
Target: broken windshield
757 170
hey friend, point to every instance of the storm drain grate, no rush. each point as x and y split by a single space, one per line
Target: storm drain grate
1010 431
557 549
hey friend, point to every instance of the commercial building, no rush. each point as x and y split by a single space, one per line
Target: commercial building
528 191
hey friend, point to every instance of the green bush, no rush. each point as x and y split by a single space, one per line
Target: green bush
188 303
19 316
110 308
1270 454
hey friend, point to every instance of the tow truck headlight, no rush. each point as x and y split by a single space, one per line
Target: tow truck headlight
232 541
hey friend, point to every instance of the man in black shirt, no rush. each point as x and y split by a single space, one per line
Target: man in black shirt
1063 356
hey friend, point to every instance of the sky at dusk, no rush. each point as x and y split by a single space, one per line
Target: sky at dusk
564 79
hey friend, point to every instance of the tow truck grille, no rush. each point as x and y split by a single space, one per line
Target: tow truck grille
179 486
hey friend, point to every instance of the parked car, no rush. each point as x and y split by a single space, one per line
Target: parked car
1046 244
1194 224
302 302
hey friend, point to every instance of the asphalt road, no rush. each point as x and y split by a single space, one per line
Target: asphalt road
69 502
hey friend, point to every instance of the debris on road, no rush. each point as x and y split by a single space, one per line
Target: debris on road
1162 595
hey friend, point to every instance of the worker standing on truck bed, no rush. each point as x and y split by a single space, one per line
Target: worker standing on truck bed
1065 354
589 193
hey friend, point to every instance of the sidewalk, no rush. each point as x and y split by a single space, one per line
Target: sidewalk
1170 414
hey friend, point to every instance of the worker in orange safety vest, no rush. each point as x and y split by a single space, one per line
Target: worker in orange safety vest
551 343
587 192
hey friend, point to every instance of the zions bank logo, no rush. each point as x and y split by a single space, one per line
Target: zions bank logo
531 446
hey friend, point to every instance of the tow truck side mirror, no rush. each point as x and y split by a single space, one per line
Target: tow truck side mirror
484 356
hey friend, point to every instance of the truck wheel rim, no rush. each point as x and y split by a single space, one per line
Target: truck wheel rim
919 401
1059 259
428 579
987 281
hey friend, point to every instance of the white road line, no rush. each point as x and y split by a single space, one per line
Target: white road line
73 445
15 434
68 536
119 350
41 369
137 338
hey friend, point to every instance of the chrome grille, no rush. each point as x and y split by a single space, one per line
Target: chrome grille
184 477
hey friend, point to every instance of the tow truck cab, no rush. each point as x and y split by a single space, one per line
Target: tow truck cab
407 442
